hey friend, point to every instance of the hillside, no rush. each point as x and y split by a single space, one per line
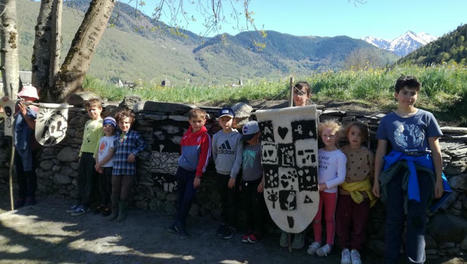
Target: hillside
137 47
451 47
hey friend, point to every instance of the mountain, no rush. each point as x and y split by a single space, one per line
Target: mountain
448 48
135 46
402 45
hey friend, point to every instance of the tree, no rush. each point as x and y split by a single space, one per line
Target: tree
9 49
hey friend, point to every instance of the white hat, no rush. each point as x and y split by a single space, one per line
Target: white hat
250 129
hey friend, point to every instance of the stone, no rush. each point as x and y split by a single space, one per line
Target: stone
448 228
458 182
56 168
46 164
430 242
67 154
78 99
171 197
130 102
456 167
171 108
171 129
74 165
61 178
179 118
463 244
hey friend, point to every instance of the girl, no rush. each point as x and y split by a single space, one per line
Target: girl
355 194
128 144
331 173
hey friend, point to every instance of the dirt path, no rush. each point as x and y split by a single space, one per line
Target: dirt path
44 233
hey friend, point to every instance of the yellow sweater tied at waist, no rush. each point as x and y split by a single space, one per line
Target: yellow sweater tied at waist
355 189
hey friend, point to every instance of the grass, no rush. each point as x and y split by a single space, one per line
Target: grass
444 89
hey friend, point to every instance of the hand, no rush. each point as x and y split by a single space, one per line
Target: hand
22 108
131 158
439 189
322 187
260 188
231 183
196 182
376 189
97 167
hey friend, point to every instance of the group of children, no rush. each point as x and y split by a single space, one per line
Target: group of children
350 178
111 153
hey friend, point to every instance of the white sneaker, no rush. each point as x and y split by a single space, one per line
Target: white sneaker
313 247
355 256
324 250
345 256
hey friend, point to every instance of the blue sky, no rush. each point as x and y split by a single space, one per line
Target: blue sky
379 18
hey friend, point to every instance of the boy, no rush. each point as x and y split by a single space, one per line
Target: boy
92 134
227 154
104 164
410 174
252 182
301 93
196 149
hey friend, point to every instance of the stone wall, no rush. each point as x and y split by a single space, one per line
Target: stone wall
162 126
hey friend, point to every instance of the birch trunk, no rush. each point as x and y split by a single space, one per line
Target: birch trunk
9 50
41 56
56 44
77 62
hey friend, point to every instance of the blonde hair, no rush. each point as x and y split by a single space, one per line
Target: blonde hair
197 113
93 102
331 124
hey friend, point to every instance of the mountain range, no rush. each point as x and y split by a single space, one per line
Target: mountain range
402 45
135 46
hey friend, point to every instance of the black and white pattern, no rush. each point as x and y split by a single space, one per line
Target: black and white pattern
290 165
51 123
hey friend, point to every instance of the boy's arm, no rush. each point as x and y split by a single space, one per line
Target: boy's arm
98 133
379 162
341 170
438 164
203 155
140 144
214 148
238 158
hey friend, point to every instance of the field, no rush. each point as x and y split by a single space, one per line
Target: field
444 89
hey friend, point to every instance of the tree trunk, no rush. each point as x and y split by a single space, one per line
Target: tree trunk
77 62
9 50
56 45
41 51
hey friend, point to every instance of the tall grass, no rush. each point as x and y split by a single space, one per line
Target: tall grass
444 89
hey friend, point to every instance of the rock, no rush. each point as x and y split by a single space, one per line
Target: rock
130 102
46 164
448 228
56 168
78 99
172 197
377 246
463 244
61 178
179 118
67 154
458 182
171 108
456 167
74 165
430 242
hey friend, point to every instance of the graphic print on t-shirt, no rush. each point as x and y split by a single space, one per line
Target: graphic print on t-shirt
225 148
408 135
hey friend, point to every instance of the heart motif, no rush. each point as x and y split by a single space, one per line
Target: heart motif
285 184
282 131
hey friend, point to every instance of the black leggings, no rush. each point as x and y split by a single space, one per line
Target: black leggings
121 185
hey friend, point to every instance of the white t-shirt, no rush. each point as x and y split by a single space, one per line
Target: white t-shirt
106 143
332 167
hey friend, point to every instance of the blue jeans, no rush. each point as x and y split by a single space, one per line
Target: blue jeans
416 219
186 193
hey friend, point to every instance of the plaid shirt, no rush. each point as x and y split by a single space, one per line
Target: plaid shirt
126 144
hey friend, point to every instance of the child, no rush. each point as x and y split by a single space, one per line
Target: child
104 163
411 171
92 134
227 154
25 151
301 97
196 149
127 146
252 182
331 173
355 196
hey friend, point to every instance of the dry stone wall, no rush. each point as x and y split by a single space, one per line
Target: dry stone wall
162 126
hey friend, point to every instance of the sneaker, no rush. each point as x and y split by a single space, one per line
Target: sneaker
72 208
284 241
174 229
345 256
355 256
220 231
298 241
313 247
80 210
228 234
324 250
245 238
252 239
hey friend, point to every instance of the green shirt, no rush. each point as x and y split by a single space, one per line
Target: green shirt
92 133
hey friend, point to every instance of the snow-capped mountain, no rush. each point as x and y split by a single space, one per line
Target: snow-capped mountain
402 45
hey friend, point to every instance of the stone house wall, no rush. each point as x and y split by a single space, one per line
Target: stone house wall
162 126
